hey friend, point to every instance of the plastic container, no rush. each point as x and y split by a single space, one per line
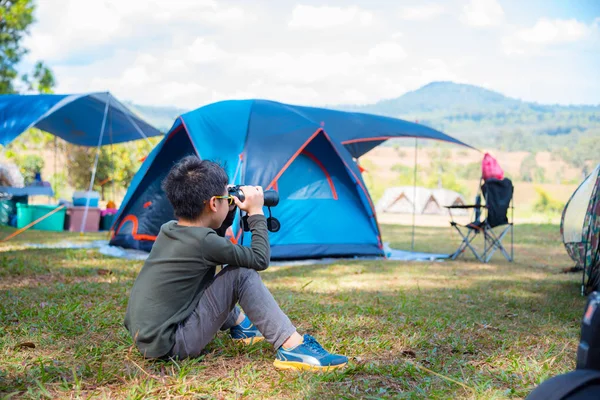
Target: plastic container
27 213
23 215
107 218
109 211
106 222
92 222
8 208
55 222
80 199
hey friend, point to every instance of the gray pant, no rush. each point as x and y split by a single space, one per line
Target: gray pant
217 310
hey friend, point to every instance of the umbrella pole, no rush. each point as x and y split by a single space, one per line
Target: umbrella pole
412 246
87 200
55 166
112 170
112 165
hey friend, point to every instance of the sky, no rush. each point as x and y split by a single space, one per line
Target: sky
188 53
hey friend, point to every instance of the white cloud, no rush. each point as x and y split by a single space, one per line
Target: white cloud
546 32
386 52
74 26
302 68
317 66
147 80
201 51
189 53
555 31
422 12
436 69
324 17
71 26
200 71
482 13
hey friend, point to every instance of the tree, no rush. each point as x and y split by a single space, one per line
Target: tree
401 153
584 152
406 176
530 171
471 171
29 164
441 172
15 18
116 165
43 79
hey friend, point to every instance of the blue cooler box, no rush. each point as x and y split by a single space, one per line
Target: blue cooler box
81 198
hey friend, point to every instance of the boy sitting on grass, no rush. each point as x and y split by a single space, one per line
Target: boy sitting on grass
177 303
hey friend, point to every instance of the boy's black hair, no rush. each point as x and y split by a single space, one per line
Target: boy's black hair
190 183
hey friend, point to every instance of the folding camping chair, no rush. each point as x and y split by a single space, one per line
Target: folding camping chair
498 195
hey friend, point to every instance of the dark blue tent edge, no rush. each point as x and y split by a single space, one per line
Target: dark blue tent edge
308 251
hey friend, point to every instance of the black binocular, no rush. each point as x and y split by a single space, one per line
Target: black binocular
271 200
271 196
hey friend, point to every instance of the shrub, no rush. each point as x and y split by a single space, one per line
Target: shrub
30 165
546 204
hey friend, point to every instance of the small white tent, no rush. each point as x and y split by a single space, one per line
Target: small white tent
580 229
402 199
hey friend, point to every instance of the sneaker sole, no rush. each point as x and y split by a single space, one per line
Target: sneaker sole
249 341
302 366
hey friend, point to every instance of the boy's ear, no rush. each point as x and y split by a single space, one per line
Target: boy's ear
212 204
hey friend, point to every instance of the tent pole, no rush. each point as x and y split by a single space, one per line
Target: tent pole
87 200
584 267
412 246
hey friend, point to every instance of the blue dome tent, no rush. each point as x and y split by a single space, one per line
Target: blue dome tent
306 154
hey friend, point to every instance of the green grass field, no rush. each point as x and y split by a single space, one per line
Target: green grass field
453 329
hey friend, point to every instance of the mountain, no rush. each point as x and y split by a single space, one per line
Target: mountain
450 97
478 116
161 117
447 97
485 118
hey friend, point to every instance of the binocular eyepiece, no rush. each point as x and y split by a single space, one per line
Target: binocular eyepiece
271 196
271 200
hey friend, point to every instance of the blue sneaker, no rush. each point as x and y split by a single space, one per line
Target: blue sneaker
308 355
246 332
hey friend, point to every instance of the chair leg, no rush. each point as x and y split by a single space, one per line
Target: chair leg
462 246
495 242
512 240
485 242
471 234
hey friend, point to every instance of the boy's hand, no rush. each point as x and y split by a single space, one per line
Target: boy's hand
254 200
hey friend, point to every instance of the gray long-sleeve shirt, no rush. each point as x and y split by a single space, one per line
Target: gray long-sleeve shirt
180 267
